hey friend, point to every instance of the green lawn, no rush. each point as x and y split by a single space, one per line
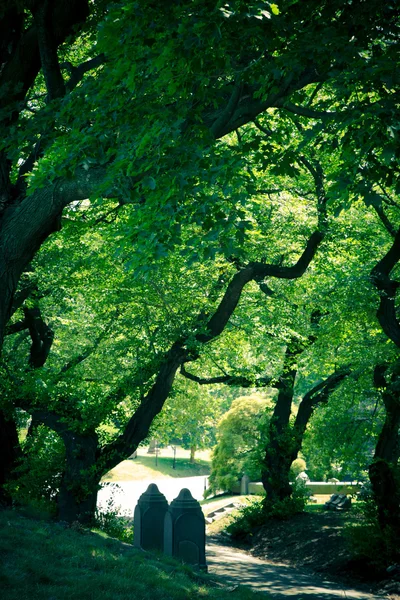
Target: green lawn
40 560
145 467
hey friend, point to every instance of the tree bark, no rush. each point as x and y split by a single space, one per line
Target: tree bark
77 497
384 471
285 441
280 448
9 455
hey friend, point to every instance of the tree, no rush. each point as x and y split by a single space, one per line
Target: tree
190 415
86 120
284 440
384 470
239 437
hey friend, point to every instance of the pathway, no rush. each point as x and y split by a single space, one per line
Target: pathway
280 581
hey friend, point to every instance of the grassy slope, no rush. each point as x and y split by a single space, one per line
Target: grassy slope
42 560
144 466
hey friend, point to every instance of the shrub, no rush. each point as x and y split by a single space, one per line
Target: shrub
298 466
113 523
374 548
247 518
288 507
38 476
258 511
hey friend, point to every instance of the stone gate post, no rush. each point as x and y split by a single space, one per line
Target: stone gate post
148 519
185 530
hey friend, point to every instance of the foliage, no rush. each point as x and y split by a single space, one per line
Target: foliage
238 449
290 506
39 473
113 523
257 511
375 548
190 415
297 466
184 153
247 518
341 439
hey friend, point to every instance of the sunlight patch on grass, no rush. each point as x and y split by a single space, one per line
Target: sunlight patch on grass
145 467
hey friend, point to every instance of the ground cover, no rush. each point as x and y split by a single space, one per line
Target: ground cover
145 467
44 560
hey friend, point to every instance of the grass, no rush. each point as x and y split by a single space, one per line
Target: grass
43 560
144 466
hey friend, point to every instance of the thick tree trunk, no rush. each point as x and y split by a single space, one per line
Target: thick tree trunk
279 450
284 440
77 497
384 472
9 455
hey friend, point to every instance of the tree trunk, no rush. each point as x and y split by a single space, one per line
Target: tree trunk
77 497
192 454
384 472
284 440
279 450
9 455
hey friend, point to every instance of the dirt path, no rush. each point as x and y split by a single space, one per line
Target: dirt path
280 581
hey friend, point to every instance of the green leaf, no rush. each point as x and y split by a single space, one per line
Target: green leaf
149 182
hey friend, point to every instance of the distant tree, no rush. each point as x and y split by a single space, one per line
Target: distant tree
239 442
190 414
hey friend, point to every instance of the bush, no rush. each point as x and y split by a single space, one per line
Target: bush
38 476
375 548
247 519
113 523
298 466
257 512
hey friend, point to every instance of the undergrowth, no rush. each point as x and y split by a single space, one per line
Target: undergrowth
257 512
374 549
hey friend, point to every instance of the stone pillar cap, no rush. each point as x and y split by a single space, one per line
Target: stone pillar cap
185 500
152 495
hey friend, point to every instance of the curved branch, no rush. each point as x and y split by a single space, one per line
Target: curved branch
234 380
387 288
384 220
317 395
77 73
255 271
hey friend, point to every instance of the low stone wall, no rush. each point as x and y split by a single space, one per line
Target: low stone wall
315 487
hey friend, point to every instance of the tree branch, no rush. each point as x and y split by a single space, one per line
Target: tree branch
305 111
74 362
387 288
41 334
233 380
317 395
248 108
384 219
77 73
16 327
42 15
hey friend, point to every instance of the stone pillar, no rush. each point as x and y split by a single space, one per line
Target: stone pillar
148 519
185 530
244 485
152 446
